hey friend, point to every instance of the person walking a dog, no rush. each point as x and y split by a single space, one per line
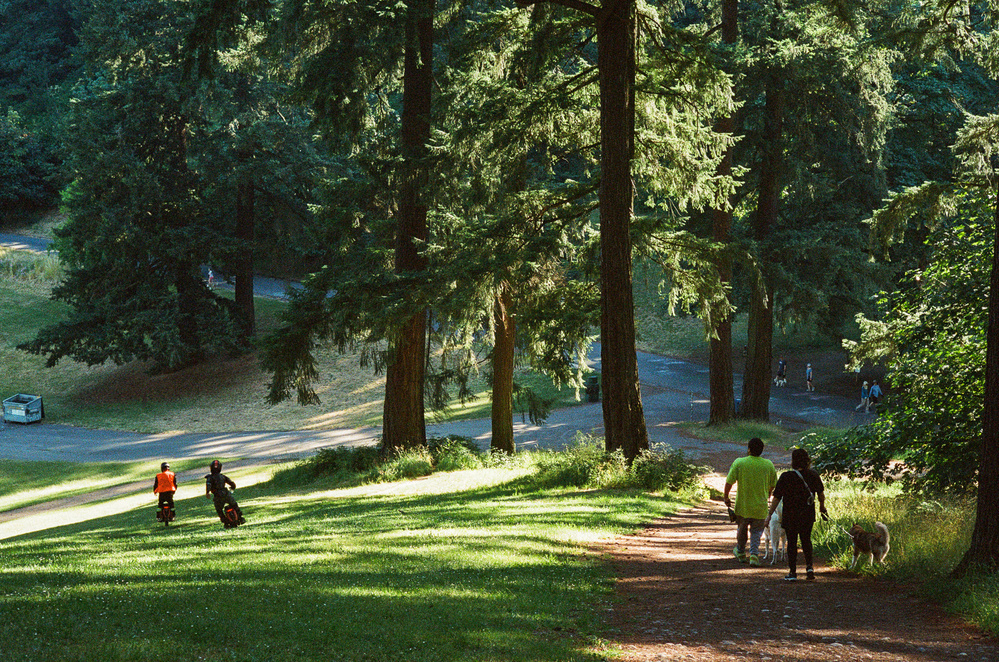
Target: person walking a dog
798 488
756 476
781 378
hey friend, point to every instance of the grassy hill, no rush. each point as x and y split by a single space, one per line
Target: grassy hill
475 565
216 396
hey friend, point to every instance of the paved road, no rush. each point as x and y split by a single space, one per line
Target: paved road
673 391
24 243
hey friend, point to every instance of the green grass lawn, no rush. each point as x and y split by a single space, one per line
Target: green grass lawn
502 571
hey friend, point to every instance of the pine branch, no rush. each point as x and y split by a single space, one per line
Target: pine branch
571 4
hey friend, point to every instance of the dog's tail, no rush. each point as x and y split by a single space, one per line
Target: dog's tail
882 533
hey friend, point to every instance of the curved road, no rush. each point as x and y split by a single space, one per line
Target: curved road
673 391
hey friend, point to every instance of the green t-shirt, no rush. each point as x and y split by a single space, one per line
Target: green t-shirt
755 477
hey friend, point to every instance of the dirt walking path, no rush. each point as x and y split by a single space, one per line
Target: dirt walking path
683 596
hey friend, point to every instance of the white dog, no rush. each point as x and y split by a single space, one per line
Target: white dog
774 536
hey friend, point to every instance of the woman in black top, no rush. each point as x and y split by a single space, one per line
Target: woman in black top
798 488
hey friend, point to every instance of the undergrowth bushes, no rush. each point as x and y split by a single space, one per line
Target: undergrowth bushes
29 267
585 464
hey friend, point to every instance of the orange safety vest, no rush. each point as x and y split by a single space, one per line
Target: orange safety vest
165 482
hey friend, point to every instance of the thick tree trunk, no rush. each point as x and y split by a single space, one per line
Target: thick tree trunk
403 414
245 222
756 380
504 348
624 418
984 550
187 280
720 376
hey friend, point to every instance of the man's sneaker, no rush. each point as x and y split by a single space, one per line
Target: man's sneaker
754 560
810 575
791 578
741 556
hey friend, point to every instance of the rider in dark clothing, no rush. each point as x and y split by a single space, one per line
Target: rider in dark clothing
217 486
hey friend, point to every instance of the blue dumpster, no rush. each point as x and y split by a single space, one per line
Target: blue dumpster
23 408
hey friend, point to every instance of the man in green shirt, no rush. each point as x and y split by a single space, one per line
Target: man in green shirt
756 478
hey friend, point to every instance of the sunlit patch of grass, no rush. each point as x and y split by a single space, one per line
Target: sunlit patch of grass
461 575
27 483
739 432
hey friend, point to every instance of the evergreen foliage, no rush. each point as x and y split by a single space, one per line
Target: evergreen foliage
137 231
29 167
931 335
37 41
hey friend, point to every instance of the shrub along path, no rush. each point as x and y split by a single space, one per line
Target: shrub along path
683 596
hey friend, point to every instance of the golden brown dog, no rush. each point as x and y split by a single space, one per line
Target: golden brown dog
874 545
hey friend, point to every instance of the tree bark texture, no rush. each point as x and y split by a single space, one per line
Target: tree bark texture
722 382
245 222
504 348
624 418
759 352
403 424
984 550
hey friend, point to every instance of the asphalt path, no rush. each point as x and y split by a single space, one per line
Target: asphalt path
673 391
23 243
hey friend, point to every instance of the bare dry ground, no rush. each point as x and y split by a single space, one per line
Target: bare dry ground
683 596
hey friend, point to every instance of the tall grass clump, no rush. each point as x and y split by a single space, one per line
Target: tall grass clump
584 463
454 453
348 466
928 536
587 464
406 464
666 469
29 267
342 466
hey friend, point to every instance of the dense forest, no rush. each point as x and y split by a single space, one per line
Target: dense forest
474 179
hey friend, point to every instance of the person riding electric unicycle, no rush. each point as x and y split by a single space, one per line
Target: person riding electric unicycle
217 486
165 485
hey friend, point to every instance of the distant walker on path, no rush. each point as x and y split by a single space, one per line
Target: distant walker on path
875 395
865 398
